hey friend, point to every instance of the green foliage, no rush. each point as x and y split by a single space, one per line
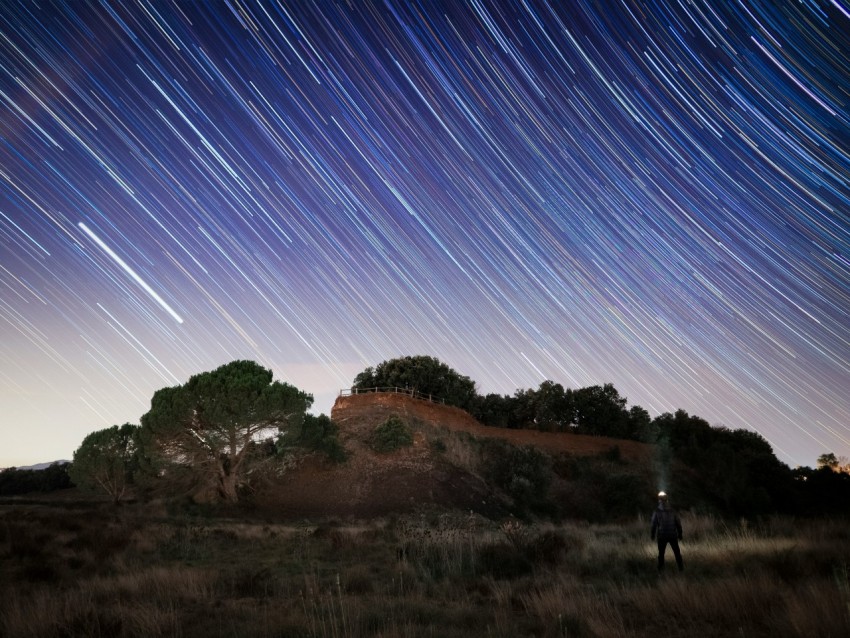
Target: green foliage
15 481
602 488
209 435
596 410
549 408
318 433
106 459
554 407
828 460
521 409
686 435
524 473
438 445
733 472
494 410
422 374
391 435
601 411
640 425
729 471
205 434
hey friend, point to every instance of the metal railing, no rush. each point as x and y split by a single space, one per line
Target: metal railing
415 394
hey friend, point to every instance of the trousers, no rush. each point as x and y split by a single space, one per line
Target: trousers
662 549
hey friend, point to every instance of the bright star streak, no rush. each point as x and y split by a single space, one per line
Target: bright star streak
130 272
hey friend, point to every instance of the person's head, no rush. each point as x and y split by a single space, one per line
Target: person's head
662 497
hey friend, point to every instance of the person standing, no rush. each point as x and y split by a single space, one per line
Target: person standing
667 528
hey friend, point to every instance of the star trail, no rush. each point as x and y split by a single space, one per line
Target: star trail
653 194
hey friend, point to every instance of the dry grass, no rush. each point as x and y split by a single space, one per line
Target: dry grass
139 572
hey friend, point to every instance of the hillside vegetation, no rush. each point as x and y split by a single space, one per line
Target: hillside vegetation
452 461
236 435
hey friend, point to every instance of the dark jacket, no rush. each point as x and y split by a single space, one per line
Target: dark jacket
665 523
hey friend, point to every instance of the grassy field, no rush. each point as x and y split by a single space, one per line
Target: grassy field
140 570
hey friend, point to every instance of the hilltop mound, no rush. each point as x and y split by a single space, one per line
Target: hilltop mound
359 413
438 469
372 484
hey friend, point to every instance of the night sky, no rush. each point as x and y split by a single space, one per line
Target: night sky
653 194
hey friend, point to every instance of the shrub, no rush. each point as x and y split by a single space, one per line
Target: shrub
318 433
597 489
523 473
391 435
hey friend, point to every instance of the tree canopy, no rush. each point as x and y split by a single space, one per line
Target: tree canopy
422 374
206 433
105 460
828 460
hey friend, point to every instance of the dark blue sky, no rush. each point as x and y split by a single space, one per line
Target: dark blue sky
654 195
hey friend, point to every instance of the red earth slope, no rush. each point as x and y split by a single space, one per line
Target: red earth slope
370 484
358 411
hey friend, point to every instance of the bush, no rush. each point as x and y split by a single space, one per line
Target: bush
523 473
391 435
318 433
597 489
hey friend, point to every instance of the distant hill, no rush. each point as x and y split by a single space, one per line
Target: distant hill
37 466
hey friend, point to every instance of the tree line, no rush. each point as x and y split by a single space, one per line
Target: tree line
15 480
733 471
223 432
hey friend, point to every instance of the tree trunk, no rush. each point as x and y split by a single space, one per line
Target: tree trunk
227 487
